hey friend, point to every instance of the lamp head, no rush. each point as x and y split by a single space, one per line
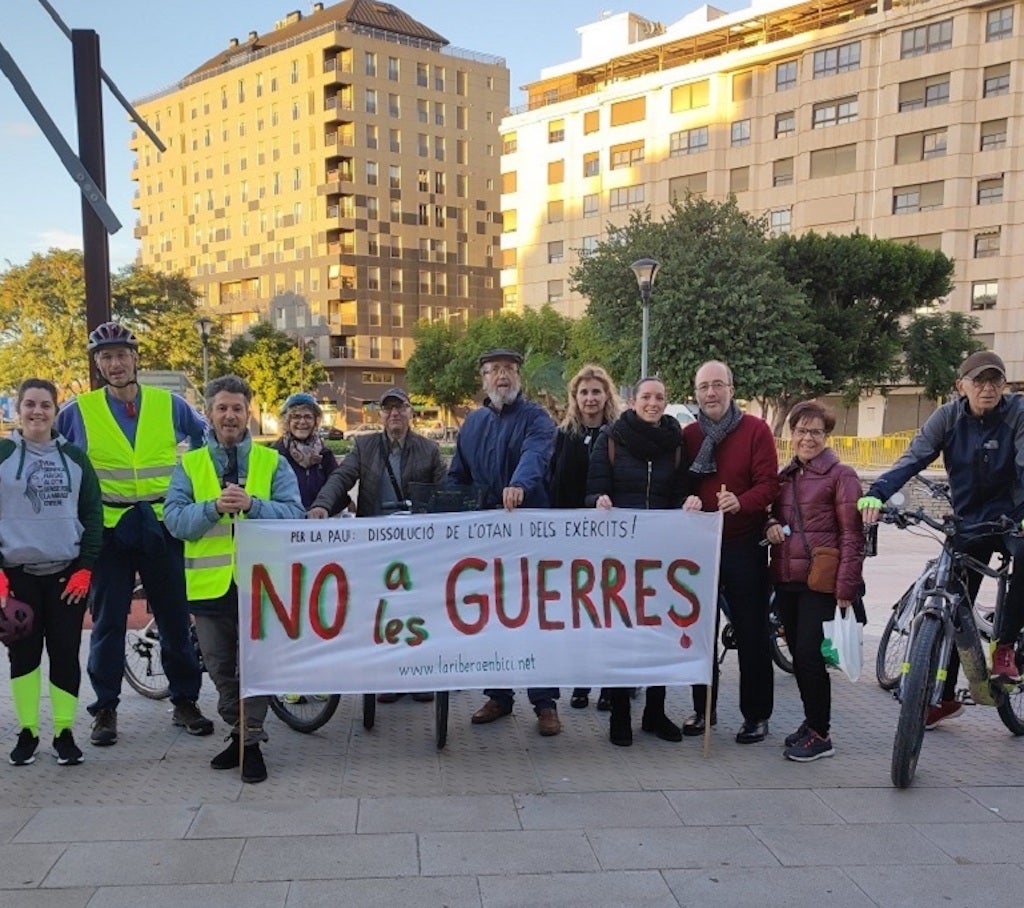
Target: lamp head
203 326
646 270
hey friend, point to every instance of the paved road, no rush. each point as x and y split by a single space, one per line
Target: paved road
503 818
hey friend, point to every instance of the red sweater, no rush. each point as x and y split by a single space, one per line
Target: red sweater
748 466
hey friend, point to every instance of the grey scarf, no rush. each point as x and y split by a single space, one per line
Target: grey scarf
714 434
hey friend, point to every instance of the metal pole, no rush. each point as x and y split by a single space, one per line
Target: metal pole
206 363
89 106
643 337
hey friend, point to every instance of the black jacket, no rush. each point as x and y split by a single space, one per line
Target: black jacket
633 482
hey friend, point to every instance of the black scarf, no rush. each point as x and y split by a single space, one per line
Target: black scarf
714 433
644 440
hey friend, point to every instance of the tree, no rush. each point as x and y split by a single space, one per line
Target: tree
934 346
860 290
719 295
274 365
435 369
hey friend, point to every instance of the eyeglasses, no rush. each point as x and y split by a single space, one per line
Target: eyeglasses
392 408
716 386
993 381
817 434
302 417
500 370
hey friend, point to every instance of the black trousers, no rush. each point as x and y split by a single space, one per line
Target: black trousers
802 613
743 581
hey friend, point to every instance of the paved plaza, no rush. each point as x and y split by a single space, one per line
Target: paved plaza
502 818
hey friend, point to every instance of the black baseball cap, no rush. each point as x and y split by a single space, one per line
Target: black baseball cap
396 393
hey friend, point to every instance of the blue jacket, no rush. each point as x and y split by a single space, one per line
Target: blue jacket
983 455
507 447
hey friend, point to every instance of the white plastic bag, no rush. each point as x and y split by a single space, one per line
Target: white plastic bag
843 643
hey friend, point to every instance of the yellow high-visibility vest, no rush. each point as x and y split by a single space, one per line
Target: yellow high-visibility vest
129 475
210 561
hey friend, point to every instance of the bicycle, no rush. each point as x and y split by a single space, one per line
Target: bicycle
892 646
944 617
777 642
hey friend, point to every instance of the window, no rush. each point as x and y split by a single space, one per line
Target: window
743 86
370 63
371 136
835 60
997 80
740 133
555 291
782 172
919 146
371 100
627 155
439 113
833 162
509 143
374 346
688 141
371 173
394 176
785 123
984 294
626 197
990 191
556 211
393 69
926 39
508 258
556 172
833 113
395 140
439 149
785 75
422 111
422 145
422 75
591 205
689 184
739 179
929 241
440 182
372 244
439 78
924 92
986 245
690 96
921 197
588 247
556 131
631 111
509 181
780 221
394 105
999 23
556 252
395 211
591 164
993 134
591 121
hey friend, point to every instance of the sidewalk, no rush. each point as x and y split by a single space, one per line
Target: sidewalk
502 818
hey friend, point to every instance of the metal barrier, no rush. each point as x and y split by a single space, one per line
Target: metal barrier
879 452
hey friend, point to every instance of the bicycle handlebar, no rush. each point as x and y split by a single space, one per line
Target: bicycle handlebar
949 525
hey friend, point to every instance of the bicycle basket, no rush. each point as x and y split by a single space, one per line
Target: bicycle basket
428 498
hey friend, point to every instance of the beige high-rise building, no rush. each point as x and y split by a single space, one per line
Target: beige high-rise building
339 176
901 119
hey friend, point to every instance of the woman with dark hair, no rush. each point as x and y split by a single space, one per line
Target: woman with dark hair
639 462
593 404
51 530
300 444
818 502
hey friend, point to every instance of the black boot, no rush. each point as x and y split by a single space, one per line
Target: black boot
655 721
620 726
229 757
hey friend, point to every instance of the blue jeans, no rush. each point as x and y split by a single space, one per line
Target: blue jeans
113 579
540 697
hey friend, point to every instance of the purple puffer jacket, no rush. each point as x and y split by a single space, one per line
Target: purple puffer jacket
827 493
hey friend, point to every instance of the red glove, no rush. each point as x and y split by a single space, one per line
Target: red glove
5 586
78 585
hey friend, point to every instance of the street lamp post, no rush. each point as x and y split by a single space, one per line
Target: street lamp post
646 270
203 326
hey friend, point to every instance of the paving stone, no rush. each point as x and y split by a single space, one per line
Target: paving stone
452 813
407 892
638 889
144 863
328 857
214 895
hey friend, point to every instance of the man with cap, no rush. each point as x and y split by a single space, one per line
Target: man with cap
504 449
980 437
384 464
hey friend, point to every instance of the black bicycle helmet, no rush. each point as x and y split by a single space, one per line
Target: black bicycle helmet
111 334
15 621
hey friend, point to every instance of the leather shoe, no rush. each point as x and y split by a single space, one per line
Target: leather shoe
388 698
694 724
491 710
423 696
548 723
604 701
580 698
751 732
659 724
229 757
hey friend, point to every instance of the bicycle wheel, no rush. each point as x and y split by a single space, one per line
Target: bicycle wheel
369 710
1011 704
441 718
778 643
143 667
892 648
305 713
916 696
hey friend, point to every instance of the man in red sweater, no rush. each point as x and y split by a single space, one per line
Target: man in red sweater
732 456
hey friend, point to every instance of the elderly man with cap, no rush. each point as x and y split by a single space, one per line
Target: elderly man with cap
980 437
384 464
504 449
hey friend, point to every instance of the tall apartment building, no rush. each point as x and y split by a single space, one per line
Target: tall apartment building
901 119
338 176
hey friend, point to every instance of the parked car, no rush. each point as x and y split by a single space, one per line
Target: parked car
331 433
364 428
681 412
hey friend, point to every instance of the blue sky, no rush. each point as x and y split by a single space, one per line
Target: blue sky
146 45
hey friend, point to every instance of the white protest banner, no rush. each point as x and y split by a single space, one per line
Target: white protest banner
615 598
